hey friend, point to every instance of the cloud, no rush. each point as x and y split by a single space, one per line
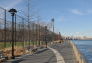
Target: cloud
13 4
76 11
89 11
81 12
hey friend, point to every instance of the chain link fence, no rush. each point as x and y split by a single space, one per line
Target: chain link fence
24 31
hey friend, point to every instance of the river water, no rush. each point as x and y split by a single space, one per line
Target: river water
85 46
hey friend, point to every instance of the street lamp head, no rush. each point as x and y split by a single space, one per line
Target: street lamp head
45 26
52 19
12 11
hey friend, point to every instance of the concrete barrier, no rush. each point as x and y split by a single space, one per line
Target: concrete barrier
79 56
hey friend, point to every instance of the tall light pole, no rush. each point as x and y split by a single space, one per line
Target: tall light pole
46 36
33 37
28 22
36 34
13 12
39 35
53 28
23 32
5 30
15 30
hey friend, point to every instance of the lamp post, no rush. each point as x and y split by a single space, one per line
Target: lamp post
33 34
5 30
39 35
13 12
46 35
53 28
15 30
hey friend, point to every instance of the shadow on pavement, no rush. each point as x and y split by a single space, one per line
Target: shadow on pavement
17 61
38 52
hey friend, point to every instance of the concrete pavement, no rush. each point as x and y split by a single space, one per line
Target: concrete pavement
44 56
63 50
66 51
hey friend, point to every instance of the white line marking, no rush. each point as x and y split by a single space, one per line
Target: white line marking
60 59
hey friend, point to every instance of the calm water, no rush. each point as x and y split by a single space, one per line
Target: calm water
85 47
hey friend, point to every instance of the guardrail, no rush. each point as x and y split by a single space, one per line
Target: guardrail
79 56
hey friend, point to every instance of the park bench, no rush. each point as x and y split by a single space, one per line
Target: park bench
37 49
31 49
34 49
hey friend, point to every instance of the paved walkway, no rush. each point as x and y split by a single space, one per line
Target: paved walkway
66 51
63 50
44 56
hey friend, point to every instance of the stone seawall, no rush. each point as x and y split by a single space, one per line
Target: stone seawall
79 56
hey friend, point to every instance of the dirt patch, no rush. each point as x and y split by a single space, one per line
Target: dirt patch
18 51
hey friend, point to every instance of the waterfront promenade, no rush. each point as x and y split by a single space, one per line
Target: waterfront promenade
55 53
66 50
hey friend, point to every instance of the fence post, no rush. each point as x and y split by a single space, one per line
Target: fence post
5 30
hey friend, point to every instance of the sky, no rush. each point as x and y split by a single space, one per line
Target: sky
72 17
